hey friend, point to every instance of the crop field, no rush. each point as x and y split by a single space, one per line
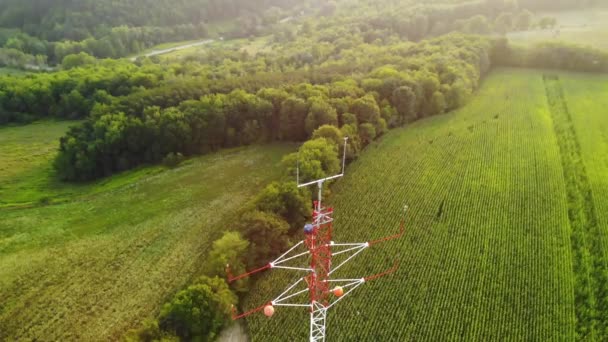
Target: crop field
507 227
585 27
585 104
108 254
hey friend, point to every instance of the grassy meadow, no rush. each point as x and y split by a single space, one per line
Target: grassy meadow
584 27
94 260
499 244
27 177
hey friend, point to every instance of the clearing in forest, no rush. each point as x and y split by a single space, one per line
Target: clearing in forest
584 26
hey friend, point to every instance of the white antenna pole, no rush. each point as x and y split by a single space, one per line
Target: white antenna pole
326 178
320 184
344 155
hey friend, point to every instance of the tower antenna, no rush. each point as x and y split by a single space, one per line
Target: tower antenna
319 249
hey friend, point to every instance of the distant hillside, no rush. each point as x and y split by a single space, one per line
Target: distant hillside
81 19
115 28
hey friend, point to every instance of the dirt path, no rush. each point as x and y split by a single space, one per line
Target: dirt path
234 333
175 48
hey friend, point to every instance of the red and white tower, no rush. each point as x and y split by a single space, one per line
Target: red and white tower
319 250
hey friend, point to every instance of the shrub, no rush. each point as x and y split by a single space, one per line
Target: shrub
200 311
173 159
287 201
267 234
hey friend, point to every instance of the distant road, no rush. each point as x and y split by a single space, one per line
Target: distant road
175 48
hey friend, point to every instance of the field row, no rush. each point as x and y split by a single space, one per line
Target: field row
588 251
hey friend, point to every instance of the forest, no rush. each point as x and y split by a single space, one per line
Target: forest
36 33
136 112
111 28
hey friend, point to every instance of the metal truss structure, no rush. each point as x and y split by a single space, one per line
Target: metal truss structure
321 291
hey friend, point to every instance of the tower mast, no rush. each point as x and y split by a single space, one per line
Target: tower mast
320 249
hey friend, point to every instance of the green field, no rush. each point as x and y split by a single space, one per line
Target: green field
500 241
95 260
26 167
585 27
251 47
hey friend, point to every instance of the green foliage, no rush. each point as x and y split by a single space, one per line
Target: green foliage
551 55
294 112
366 109
276 97
368 133
404 101
438 104
149 332
267 234
478 24
104 29
316 158
349 119
287 201
238 99
200 311
77 60
173 159
330 133
229 251
320 113
589 257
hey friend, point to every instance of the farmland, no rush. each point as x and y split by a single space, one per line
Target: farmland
506 231
583 26
94 260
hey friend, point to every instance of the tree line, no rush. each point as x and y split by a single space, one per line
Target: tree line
551 55
117 136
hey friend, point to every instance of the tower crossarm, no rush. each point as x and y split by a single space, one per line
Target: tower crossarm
277 263
356 248
351 284
236 316
388 238
293 291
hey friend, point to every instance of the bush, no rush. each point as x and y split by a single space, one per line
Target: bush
231 250
173 159
200 311
287 201
148 333
267 234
